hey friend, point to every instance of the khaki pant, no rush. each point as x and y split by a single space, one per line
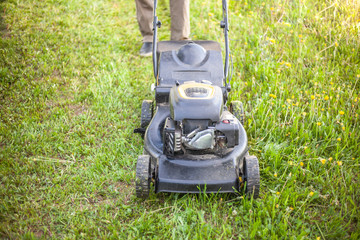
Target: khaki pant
180 19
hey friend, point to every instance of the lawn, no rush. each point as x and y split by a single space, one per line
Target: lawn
71 87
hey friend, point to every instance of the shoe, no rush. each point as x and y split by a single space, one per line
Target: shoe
146 49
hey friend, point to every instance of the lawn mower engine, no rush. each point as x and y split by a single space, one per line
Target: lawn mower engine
198 122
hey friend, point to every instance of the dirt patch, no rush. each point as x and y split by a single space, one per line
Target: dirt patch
126 190
77 109
65 102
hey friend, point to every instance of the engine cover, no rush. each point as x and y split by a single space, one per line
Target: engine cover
196 101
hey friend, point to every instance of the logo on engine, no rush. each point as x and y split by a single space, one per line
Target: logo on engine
196 91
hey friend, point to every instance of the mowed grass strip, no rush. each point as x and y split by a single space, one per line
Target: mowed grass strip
70 95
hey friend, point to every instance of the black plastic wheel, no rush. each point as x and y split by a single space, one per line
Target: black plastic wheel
251 176
237 109
146 113
153 166
143 176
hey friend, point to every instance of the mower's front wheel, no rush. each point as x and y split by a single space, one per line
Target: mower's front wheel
251 176
143 176
237 109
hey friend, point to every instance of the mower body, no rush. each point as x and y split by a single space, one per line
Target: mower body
193 141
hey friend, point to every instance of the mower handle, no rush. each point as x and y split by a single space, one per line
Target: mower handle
223 24
156 24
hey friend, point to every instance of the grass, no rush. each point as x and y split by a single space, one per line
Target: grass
71 87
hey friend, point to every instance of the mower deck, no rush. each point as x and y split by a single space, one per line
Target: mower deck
192 173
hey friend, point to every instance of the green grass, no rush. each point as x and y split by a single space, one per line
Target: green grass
70 93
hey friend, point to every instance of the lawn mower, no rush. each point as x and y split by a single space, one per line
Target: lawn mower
192 141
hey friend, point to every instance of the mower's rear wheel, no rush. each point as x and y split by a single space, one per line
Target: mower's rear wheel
143 176
251 176
237 109
146 113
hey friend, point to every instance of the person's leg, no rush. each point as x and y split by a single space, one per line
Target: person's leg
180 19
144 14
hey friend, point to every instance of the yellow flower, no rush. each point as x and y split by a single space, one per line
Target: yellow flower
358 75
272 95
311 194
304 114
277 205
339 139
336 44
312 97
272 40
318 238
341 112
251 52
305 147
277 193
318 123
301 164
343 128
326 97
211 14
272 9
275 174
323 161
339 163
288 64
300 36
330 158
290 163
